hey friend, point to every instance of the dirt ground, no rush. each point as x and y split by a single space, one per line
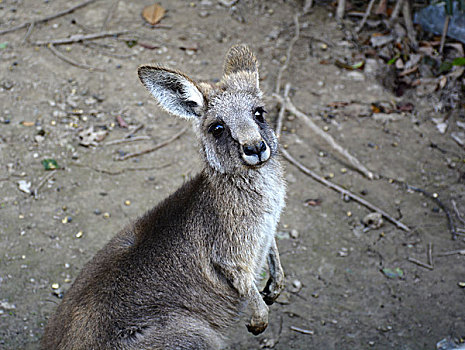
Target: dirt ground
338 294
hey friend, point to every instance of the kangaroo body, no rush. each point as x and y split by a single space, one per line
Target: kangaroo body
181 274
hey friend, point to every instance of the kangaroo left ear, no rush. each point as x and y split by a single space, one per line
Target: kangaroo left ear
241 60
174 91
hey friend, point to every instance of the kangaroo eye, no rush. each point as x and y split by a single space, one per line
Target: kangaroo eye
259 114
216 130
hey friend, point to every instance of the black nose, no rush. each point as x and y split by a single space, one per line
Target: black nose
257 148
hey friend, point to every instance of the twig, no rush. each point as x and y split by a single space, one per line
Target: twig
444 34
279 122
395 12
80 37
154 148
452 252
42 182
301 330
47 18
227 3
420 263
457 212
29 31
107 53
125 140
72 62
354 162
343 191
110 13
429 254
136 129
288 53
434 197
408 23
307 6
341 9
365 17
122 171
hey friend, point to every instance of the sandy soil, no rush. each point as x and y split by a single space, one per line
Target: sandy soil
345 300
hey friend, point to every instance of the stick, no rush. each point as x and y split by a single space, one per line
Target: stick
72 62
343 191
434 197
354 162
227 3
125 140
444 34
395 12
457 212
136 129
307 6
288 53
110 13
154 148
301 330
419 263
365 17
80 37
42 182
452 252
29 31
408 23
47 18
341 9
279 122
429 254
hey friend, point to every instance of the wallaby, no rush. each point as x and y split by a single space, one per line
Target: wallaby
181 274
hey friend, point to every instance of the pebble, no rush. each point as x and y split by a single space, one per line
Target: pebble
106 215
296 286
127 202
294 234
97 212
79 234
66 219
461 284
55 286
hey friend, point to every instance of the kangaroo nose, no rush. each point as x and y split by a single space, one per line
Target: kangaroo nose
256 149
256 153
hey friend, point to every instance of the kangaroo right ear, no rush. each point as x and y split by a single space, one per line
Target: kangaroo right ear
174 91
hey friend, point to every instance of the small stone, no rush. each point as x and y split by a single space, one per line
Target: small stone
79 234
331 175
435 195
55 286
106 215
39 138
343 170
461 284
66 219
373 220
294 234
349 214
97 212
296 286
127 203
325 128
315 295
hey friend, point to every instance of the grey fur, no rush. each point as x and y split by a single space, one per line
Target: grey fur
181 274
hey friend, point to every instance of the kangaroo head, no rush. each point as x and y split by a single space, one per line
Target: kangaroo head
229 117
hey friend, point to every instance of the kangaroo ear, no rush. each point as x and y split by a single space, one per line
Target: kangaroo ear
174 91
239 59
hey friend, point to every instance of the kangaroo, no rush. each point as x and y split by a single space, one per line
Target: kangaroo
182 273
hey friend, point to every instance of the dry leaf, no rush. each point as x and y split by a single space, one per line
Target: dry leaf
153 13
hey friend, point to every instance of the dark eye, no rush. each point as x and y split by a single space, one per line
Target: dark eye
216 130
259 114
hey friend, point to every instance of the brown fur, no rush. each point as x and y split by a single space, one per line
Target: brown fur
178 276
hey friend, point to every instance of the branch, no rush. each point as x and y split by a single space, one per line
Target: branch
80 37
365 17
154 148
48 18
288 53
279 122
343 191
354 162
341 9
72 62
